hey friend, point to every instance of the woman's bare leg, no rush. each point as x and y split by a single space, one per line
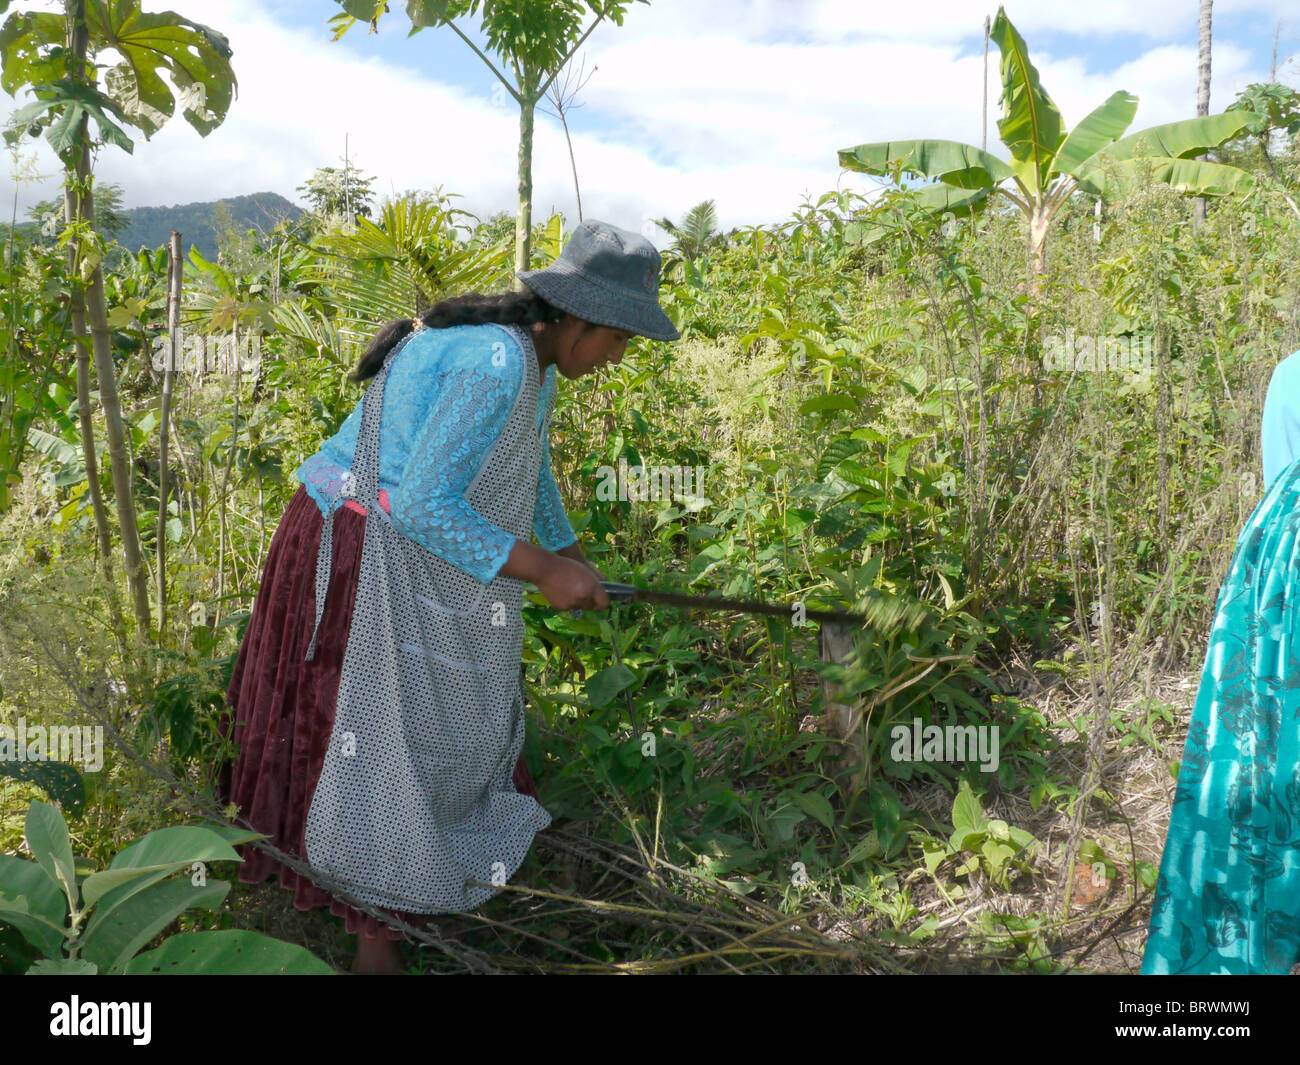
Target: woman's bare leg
377 955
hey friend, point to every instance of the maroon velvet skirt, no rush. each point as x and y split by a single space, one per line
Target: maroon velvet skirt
281 708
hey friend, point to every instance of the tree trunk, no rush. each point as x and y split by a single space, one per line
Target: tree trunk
524 211
78 312
1203 82
1039 222
225 481
174 267
984 121
83 201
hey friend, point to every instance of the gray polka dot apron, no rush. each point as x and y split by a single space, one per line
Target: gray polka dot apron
416 798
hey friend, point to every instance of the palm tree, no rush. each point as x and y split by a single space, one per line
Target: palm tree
694 238
409 258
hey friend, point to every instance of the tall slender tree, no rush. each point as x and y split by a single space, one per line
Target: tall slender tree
534 39
51 55
1203 48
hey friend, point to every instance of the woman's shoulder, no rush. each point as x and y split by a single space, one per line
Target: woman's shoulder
490 349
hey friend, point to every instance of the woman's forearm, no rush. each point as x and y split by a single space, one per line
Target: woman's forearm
528 562
574 551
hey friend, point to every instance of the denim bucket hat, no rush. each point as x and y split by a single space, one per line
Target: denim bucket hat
606 276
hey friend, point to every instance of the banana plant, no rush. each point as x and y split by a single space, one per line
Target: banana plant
86 922
1048 163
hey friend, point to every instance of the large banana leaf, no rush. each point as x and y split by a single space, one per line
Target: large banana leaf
1111 178
1031 124
961 165
1103 126
1180 140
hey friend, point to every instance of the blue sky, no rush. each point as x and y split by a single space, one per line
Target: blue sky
741 101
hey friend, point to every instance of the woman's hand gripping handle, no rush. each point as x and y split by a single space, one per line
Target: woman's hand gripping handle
568 583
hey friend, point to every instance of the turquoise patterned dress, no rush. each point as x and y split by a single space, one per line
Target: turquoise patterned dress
1228 895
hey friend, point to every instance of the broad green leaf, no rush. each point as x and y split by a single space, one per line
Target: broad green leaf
944 199
606 683
817 805
948 598
822 403
552 238
867 847
114 941
25 42
967 815
966 839
47 836
233 834
32 902
1031 125
230 953
839 449
195 57
422 13
961 165
97 885
56 448
63 967
1190 176
857 474
997 855
914 379
934 854
181 843
1179 140
149 860
364 10
887 813
779 824
1105 125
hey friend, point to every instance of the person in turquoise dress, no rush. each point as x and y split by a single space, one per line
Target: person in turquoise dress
1227 897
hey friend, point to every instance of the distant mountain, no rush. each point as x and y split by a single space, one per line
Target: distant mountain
198 223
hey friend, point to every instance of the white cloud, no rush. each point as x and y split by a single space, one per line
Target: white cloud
742 102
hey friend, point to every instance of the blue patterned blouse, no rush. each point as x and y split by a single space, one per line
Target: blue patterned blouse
448 396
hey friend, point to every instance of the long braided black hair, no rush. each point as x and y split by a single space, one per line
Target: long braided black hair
473 308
